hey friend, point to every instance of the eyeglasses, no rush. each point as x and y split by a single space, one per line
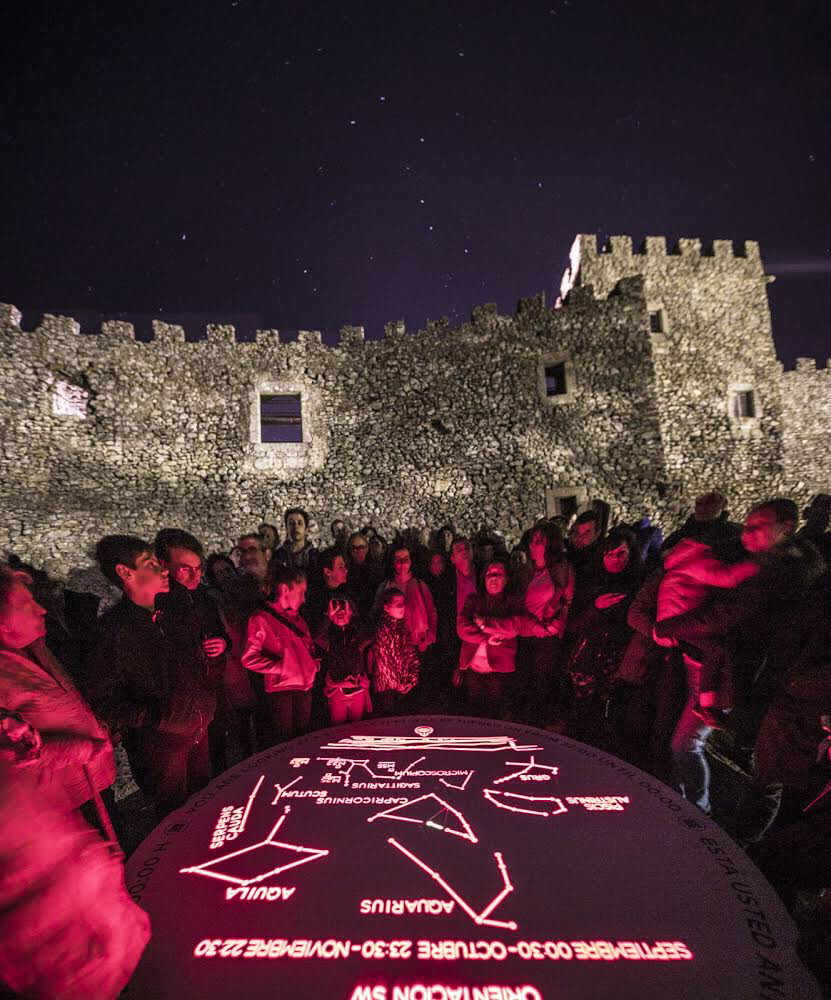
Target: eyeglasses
358 547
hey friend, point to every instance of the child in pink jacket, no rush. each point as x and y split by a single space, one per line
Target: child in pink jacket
278 645
691 570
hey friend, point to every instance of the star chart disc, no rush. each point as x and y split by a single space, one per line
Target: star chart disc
443 858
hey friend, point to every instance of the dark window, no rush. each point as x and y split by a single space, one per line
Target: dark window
656 321
744 404
568 506
555 379
280 419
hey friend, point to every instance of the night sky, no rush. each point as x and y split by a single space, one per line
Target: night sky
310 165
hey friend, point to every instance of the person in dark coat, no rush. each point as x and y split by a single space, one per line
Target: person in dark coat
183 556
749 618
344 664
708 523
648 686
488 626
600 632
362 577
146 677
786 771
583 549
297 551
441 658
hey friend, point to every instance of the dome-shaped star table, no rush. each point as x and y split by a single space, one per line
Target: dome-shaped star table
441 858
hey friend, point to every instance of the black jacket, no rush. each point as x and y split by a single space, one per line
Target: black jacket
146 671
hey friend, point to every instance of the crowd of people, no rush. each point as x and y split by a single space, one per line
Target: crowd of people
613 635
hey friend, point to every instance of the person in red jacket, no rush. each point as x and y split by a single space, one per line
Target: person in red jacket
68 929
76 760
488 626
279 646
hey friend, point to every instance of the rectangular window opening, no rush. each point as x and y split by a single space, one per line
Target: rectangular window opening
568 506
744 404
555 379
656 321
281 419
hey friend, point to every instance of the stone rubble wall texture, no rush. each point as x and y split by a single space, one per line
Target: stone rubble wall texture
806 413
444 424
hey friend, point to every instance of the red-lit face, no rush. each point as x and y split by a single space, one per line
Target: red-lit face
394 606
336 576
144 580
761 531
437 564
185 567
536 547
462 558
339 612
21 619
495 579
617 559
402 563
292 597
584 534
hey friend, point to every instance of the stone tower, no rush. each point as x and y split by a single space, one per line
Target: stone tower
717 378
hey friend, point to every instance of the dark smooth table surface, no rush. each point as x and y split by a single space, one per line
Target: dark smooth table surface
445 858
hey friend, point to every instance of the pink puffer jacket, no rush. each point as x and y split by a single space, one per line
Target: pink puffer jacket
76 747
690 570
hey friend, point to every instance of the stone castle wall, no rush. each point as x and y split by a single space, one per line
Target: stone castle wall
716 334
443 424
806 408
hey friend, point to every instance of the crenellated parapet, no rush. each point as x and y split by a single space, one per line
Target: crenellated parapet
622 247
602 266
809 366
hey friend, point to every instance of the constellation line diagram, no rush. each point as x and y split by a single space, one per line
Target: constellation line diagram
283 788
431 821
458 788
470 744
340 762
499 799
248 804
208 868
482 918
526 768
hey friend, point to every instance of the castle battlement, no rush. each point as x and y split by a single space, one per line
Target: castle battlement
586 246
483 317
810 366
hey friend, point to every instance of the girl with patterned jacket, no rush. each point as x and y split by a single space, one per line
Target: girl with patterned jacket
395 659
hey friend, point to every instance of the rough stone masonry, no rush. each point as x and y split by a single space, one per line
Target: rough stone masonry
652 379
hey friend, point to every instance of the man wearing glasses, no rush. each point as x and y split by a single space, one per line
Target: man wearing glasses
362 580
